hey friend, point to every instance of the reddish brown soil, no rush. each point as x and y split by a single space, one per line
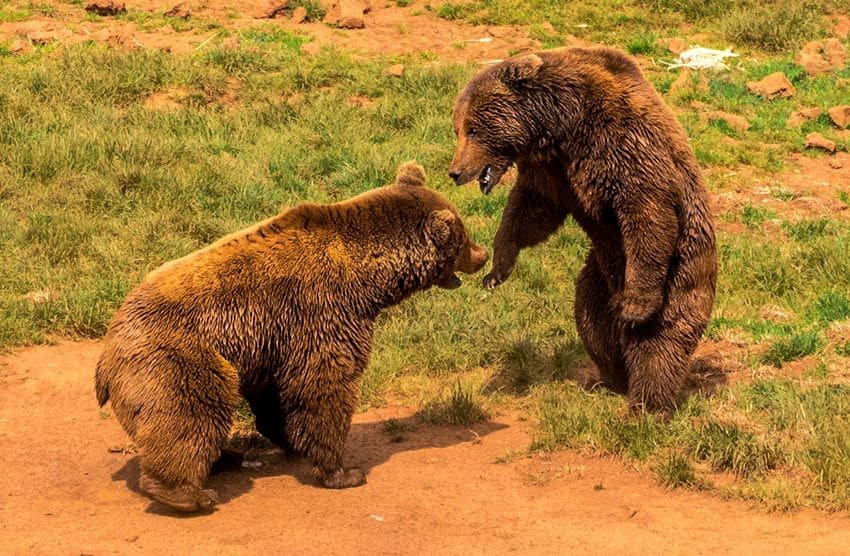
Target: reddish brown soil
438 490
390 30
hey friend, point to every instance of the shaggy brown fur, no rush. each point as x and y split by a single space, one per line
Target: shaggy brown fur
592 139
281 313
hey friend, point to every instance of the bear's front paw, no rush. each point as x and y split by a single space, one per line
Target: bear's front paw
494 278
344 478
638 310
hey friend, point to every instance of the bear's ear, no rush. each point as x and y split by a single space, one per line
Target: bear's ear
515 71
438 226
410 174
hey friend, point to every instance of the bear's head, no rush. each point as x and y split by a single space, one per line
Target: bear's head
449 246
493 118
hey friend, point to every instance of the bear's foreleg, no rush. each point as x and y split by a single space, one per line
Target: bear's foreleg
658 360
650 231
528 219
597 325
318 429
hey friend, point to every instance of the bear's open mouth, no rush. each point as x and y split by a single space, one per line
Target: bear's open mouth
485 179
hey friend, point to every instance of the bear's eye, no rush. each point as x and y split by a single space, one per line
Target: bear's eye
471 131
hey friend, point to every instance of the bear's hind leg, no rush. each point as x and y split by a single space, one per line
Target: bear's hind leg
657 358
183 427
183 497
597 326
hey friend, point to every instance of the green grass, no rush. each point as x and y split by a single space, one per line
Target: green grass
765 435
462 406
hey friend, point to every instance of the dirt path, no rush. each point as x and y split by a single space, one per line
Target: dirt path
439 490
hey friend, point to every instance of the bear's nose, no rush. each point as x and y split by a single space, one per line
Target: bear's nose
455 175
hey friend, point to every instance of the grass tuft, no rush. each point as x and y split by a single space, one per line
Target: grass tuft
462 406
793 347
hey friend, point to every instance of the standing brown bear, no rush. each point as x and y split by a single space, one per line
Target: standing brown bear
591 138
281 312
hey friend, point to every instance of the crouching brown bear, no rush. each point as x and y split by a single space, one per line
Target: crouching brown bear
591 138
281 313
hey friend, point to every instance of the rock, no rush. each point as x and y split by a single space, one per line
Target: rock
840 115
738 123
396 70
818 141
675 45
124 39
42 38
299 14
106 7
797 118
841 27
819 57
836 163
181 10
19 46
275 9
775 85
347 14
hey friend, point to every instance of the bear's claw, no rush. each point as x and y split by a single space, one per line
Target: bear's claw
344 478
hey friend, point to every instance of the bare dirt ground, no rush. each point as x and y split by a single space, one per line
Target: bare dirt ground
390 30
438 490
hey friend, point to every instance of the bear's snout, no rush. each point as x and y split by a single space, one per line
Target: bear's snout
472 259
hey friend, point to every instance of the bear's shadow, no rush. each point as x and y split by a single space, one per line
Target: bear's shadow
369 445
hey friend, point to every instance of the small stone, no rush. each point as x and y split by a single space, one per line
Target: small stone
738 123
106 7
181 10
42 38
675 45
819 57
275 9
775 85
818 141
299 15
347 14
19 46
797 118
396 70
836 163
840 116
